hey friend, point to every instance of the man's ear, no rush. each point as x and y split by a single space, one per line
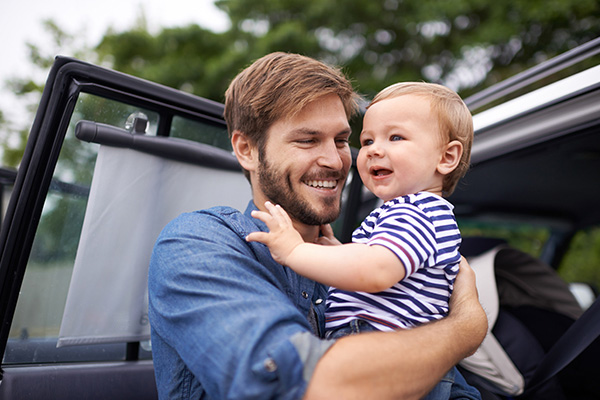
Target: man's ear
246 153
450 157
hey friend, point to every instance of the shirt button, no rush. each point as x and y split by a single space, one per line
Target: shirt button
318 301
305 295
270 365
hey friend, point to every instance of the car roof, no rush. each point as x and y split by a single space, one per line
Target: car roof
537 157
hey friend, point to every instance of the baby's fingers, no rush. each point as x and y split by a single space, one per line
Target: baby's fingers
327 231
261 215
278 212
258 236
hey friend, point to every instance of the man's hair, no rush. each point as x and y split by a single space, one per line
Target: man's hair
279 85
455 120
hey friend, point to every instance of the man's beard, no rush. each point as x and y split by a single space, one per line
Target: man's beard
278 189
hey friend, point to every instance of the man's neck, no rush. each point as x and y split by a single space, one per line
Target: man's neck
309 233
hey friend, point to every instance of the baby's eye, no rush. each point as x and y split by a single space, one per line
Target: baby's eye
366 142
394 138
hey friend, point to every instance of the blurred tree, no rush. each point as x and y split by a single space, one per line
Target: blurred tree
465 44
188 58
29 89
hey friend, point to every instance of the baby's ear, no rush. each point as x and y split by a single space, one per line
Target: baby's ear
450 157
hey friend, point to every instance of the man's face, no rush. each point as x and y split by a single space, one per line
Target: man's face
306 162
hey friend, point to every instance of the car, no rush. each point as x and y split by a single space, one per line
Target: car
111 158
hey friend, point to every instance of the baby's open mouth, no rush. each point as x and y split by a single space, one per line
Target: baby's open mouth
380 172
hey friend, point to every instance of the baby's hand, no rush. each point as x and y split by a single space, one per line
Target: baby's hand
327 238
282 238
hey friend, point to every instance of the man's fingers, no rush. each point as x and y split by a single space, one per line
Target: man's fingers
466 275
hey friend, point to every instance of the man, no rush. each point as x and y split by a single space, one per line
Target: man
228 321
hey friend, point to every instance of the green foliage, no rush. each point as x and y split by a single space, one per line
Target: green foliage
190 58
466 44
582 261
13 150
526 238
28 89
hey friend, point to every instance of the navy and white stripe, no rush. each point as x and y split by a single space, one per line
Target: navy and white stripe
422 231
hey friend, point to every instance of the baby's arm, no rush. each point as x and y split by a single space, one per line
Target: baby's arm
353 266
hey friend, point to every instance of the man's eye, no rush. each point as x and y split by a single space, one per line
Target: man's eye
342 142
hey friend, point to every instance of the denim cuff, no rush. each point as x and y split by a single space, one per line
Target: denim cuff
310 350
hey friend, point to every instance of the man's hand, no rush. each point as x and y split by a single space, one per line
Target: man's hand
282 238
464 303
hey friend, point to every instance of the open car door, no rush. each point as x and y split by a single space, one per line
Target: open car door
110 159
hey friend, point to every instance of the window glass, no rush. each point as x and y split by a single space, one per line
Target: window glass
582 261
34 331
215 135
580 265
525 237
37 322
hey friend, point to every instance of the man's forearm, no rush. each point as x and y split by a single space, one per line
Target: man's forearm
389 365
404 364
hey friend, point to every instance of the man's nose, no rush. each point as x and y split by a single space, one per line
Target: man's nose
331 156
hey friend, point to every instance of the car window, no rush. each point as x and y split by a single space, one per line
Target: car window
529 238
39 311
203 132
581 262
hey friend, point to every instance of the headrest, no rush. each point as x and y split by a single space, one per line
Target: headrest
483 265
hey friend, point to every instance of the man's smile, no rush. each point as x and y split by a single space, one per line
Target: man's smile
322 184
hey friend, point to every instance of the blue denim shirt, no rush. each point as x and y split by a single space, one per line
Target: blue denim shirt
228 322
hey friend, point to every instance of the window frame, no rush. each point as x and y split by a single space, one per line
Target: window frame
67 79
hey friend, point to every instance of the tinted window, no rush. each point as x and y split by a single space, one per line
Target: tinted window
39 312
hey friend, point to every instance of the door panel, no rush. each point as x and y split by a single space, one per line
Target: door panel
42 229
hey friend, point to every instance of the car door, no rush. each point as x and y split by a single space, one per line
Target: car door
109 159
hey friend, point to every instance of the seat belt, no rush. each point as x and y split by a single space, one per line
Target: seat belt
574 341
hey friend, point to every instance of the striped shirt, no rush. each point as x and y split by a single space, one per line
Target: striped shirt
422 231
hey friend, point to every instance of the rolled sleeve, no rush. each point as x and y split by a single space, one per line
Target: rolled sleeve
310 350
295 358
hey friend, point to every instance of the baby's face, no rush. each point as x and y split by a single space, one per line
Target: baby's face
401 148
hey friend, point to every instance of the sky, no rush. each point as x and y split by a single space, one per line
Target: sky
21 22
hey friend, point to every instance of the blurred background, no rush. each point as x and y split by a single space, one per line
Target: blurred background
198 46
